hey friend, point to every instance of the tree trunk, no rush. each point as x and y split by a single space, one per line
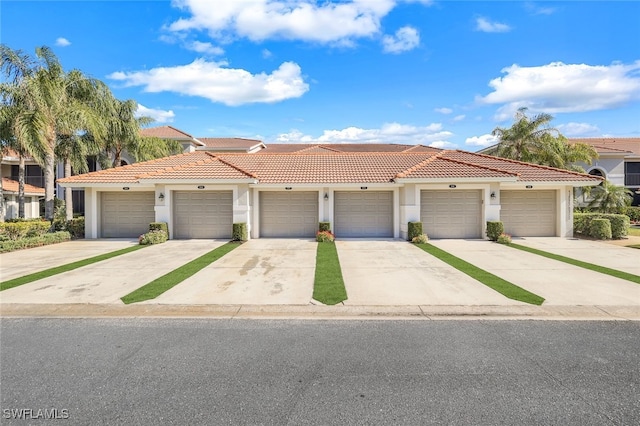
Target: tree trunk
21 168
49 184
2 210
68 195
117 158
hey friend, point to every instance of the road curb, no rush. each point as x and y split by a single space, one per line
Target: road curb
318 312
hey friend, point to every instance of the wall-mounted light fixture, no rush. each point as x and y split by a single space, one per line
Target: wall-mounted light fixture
161 196
493 194
326 196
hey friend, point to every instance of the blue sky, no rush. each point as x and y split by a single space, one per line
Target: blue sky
441 73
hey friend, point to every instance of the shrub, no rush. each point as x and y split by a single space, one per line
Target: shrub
325 237
324 226
24 229
42 240
153 237
75 227
420 239
600 229
619 224
504 239
239 232
159 226
494 230
633 213
414 229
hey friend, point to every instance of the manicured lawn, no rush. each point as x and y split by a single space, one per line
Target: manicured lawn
5 285
586 265
328 286
158 286
496 283
636 246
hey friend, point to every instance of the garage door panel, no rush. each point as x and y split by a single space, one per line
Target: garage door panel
363 214
529 213
451 213
202 214
126 214
288 214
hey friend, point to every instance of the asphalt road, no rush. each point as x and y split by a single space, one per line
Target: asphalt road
176 371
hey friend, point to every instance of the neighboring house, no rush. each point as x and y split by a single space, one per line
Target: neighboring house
34 186
618 162
363 190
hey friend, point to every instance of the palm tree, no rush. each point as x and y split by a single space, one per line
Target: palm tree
53 102
556 151
522 140
610 198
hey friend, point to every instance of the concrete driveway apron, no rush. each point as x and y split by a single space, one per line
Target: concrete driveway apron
259 272
558 282
109 280
23 262
394 272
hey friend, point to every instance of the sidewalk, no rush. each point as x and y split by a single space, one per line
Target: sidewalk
316 312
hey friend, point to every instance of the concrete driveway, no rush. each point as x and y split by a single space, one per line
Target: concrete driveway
23 262
558 282
395 272
259 272
109 280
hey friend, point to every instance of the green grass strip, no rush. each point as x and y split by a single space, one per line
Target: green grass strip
328 286
5 285
585 265
503 287
636 246
166 282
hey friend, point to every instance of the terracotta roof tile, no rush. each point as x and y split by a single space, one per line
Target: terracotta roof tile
165 132
10 185
232 143
611 145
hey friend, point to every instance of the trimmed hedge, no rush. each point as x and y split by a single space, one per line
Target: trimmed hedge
324 226
619 224
159 226
75 227
414 230
153 237
239 232
17 230
494 230
600 229
633 213
30 242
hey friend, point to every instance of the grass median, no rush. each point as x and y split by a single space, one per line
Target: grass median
5 285
586 265
496 283
328 286
158 286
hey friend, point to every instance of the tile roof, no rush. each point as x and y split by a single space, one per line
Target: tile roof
319 165
230 143
166 132
10 185
611 145
346 147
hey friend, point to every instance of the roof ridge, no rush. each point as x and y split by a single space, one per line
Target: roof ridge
324 146
230 164
419 165
610 148
174 167
539 166
479 166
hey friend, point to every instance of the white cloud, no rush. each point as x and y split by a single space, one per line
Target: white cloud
459 117
561 88
578 129
485 25
203 47
388 133
535 9
257 20
406 38
484 140
216 82
159 115
62 42
444 110
266 53
443 145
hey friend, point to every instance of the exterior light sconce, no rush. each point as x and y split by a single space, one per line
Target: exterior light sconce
493 194
326 196
161 196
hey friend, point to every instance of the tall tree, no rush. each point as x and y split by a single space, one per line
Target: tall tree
54 102
523 139
556 151
609 198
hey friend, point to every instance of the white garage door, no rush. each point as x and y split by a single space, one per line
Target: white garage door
451 213
126 214
528 213
202 214
360 214
288 214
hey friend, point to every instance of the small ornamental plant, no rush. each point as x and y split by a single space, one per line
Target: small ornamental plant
504 239
420 239
153 237
325 237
